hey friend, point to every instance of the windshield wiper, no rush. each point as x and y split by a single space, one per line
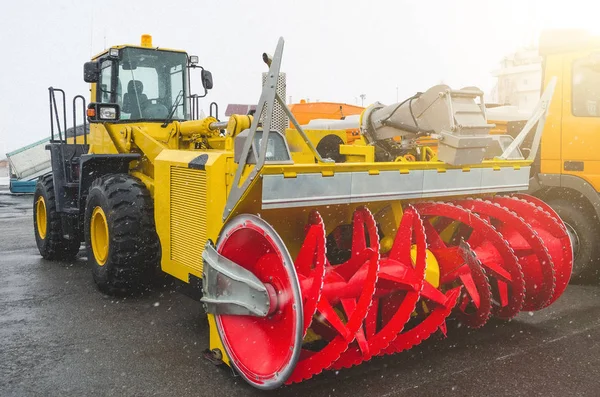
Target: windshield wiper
173 108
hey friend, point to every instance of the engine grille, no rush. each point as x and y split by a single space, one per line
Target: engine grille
188 216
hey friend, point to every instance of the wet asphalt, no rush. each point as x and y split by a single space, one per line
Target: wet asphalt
59 336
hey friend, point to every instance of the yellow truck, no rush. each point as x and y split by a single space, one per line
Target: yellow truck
566 172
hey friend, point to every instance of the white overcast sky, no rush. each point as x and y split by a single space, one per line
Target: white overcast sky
335 50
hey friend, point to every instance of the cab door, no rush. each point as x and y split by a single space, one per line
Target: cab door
580 154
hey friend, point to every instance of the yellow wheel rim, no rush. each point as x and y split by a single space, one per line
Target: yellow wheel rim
99 235
40 217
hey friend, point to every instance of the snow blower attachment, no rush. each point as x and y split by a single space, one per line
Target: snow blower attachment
343 262
315 249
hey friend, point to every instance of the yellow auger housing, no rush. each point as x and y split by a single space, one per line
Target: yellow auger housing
314 248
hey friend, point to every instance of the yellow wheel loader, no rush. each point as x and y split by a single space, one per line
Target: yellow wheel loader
304 262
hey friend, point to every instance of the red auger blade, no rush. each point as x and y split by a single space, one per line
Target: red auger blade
338 324
535 261
310 264
397 273
492 250
460 265
435 320
551 230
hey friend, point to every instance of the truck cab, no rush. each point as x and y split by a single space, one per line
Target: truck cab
567 170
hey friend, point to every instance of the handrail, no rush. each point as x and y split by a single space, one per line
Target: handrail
75 119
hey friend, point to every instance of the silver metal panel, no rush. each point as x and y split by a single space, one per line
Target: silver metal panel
504 180
306 189
451 182
385 186
360 187
229 288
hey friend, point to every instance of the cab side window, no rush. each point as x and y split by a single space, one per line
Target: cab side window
586 89
104 88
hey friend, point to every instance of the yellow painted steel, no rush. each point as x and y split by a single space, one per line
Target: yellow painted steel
432 271
41 217
99 235
188 207
358 153
570 137
215 340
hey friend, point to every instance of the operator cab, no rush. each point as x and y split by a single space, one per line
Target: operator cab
142 84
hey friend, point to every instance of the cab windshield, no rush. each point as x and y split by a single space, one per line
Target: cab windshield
150 84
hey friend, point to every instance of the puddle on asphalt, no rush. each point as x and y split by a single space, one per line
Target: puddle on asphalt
15 205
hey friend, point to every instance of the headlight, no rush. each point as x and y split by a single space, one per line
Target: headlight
108 113
103 112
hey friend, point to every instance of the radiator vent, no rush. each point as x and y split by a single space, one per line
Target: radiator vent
188 216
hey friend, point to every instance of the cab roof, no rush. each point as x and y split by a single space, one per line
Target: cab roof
146 44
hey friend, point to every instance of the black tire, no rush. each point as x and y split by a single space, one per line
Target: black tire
52 245
329 148
583 228
133 257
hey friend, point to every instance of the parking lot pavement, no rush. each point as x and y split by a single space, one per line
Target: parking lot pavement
60 337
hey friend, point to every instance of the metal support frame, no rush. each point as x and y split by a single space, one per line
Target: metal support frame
266 104
228 288
538 116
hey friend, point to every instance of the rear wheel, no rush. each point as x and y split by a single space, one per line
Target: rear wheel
47 224
122 245
583 233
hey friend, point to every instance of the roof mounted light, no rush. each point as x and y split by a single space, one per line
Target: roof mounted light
146 41
113 53
194 59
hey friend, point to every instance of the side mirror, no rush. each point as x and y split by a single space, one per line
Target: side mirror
91 72
207 81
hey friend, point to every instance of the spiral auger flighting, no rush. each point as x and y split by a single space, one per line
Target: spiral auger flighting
345 300
551 230
497 258
399 285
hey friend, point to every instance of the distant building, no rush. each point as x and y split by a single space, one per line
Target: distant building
237 108
519 79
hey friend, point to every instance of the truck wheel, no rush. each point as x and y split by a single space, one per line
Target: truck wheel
584 234
122 245
47 224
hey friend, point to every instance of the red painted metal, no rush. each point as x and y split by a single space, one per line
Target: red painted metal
491 249
357 287
551 230
499 257
535 260
258 352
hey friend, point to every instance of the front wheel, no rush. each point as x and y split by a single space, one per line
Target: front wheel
122 244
